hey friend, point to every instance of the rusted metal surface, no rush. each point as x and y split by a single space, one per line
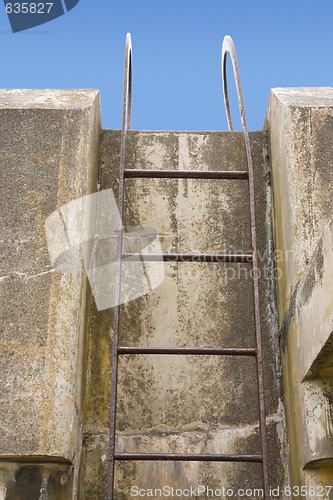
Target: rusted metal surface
196 351
228 47
188 457
186 174
126 124
187 257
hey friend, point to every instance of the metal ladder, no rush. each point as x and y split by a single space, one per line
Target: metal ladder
227 47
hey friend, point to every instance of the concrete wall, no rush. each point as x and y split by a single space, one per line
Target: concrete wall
300 126
55 344
49 146
177 403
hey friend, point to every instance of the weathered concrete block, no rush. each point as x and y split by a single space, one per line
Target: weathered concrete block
308 356
315 311
49 147
300 126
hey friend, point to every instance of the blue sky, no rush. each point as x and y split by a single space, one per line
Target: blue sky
176 56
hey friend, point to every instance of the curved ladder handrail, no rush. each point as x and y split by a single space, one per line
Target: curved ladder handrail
127 86
228 47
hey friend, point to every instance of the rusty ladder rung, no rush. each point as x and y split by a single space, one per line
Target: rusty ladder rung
185 174
188 457
186 257
195 351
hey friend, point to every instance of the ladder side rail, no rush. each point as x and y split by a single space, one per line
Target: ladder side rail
228 47
126 125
